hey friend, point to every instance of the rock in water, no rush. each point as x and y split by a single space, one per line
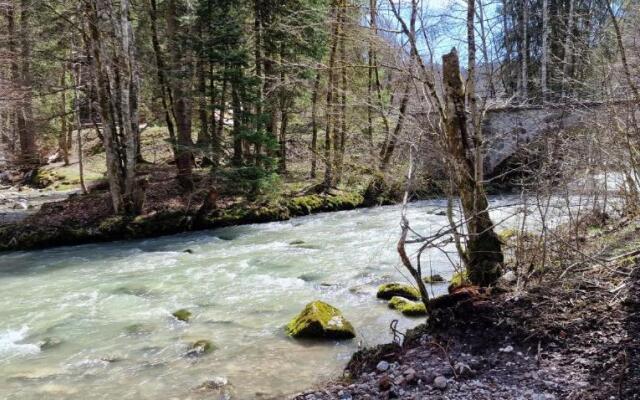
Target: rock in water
407 307
320 320
388 290
201 347
49 343
436 278
182 315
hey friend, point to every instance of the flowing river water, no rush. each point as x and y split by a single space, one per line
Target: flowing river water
104 310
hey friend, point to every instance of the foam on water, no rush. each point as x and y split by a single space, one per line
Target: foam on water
11 344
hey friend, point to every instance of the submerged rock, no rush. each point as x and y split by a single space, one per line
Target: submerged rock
320 320
200 347
138 329
49 343
389 290
407 307
182 315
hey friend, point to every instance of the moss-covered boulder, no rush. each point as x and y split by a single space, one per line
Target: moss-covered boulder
388 290
200 348
407 307
320 320
433 279
182 315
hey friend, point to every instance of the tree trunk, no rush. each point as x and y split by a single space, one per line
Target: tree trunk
236 160
115 170
328 144
545 50
568 41
26 132
63 144
182 107
623 54
524 52
342 138
165 91
204 138
390 146
484 250
314 124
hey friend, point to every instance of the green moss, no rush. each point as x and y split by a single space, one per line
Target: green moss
459 279
388 290
433 279
200 347
507 234
183 315
112 225
407 307
344 201
306 204
320 320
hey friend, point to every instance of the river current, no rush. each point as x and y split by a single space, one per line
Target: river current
94 321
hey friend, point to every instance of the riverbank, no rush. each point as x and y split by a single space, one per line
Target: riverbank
571 333
81 219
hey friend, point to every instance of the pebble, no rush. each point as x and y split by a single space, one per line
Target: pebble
382 366
440 382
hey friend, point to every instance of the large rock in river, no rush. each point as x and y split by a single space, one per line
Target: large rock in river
389 290
321 321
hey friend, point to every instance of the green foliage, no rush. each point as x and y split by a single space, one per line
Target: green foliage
250 180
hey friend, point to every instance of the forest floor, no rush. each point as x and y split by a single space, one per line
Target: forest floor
51 210
574 333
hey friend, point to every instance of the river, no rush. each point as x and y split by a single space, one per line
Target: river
106 308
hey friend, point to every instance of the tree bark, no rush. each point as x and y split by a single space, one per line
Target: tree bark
545 50
568 41
524 53
165 91
26 132
329 134
623 54
314 124
182 107
484 249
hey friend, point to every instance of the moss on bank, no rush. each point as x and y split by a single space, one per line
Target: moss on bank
37 233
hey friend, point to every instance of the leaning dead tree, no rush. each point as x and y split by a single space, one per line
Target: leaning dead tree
459 132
